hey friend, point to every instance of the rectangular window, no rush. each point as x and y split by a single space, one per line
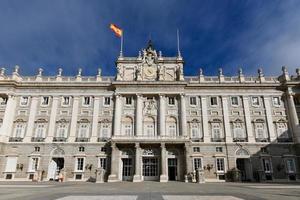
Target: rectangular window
267 165
83 130
193 101
45 101
66 101
33 164
197 163
3 101
171 100
24 101
107 101
220 165
290 166
86 101
172 130
260 134
234 101
128 100
40 130
196 149
19 130
102 163
276 101
255 101
219 149
195 131
216 131
79 164
105 131
213 101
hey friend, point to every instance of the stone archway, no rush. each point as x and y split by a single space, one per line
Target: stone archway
243 163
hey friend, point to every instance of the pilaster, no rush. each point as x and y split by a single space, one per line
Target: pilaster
183 116
114 166
163 175
96 108
250 134
206 137
270 124
73 125
117 115
139 116
137 175
228 136
162 115
7 124
52 121
31 118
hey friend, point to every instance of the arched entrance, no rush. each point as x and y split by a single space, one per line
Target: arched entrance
243 163
56 164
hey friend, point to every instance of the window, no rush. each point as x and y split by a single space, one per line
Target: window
128 100
102 163
81 149
196 149
195 131
37 149
172 130
219 149
19 130
259 128
220 165
62 131
150 130
127 124
86 101
282 130
267 165
264 149
66 101
33 164
149 125
290 165
193 101
105 130
107 101
255 101
45 101
276 101
234 101
83 130
128 129
216 131
40 130
197 163
171 100
79 164
238 131
103 149
24 101
213 101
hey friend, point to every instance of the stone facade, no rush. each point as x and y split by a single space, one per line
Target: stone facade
150 122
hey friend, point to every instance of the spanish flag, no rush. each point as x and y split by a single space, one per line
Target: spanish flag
116 30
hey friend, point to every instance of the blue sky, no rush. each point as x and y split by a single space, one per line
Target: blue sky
228 34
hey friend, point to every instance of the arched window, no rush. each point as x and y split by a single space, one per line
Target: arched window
83 130
127 126
62 129
171 127
149 127
238 130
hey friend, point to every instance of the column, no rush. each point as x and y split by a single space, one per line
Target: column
31 118
117 115
250 134
163 175
206 137
73 125
183 116
139 116
114 166
188 161
52 121
228 136
137 170
7 123
95 119
162 116
293 117
270 124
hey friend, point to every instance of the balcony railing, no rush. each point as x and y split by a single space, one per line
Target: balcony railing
59 139
218 139
158 137
239 139
82 139
37 139
197 139
15 139
103 139
262 139
284 139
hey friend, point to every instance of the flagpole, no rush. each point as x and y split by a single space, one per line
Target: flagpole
121 50
178 48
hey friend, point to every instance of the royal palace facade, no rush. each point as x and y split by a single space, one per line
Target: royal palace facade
149 122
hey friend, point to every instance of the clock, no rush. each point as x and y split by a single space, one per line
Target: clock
149 71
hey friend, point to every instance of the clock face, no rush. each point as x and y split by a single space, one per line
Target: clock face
149 71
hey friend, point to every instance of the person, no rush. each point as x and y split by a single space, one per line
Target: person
61 177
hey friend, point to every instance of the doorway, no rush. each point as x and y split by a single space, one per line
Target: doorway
127 169
54 168
172 169
150 168
243 164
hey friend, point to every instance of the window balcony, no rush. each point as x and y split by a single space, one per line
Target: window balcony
102 139
59 139
37 139
15 139
240 140
143 137
218 139
197 139
81 139
262 139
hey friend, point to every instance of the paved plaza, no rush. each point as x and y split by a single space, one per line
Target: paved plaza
146 191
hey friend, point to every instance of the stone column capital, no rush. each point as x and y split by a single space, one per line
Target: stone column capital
137 145
182 95
162 145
